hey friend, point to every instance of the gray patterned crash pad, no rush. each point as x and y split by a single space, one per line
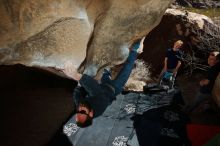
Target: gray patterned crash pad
115 127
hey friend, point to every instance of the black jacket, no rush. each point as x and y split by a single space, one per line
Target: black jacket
99 96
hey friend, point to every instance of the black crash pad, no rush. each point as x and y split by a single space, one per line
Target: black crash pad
115 126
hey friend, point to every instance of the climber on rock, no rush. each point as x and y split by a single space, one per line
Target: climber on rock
92 98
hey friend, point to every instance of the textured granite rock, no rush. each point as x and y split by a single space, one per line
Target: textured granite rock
49 33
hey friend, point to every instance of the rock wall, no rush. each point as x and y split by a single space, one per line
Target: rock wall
199 3
46 33
199 34
49 33
186 26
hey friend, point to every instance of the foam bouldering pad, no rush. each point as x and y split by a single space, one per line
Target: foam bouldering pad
115 126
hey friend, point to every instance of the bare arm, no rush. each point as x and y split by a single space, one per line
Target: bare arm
165 64
177 67
91 86
204 82
164 68
71 71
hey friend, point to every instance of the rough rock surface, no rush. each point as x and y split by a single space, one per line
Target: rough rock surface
176 24
199 34
49 33
199 3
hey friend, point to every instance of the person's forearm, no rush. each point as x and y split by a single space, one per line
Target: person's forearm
204 82
78 76
178 66
71 71
165 64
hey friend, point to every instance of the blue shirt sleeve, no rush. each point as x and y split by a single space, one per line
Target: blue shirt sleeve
90 85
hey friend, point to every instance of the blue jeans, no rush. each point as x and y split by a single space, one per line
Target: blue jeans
122 77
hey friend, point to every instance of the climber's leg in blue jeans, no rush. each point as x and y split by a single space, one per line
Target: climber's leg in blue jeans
122 77
106 76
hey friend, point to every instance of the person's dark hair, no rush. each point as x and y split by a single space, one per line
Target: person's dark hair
86 103
87 123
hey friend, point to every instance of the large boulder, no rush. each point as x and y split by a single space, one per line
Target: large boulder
199 3
198 33
49 33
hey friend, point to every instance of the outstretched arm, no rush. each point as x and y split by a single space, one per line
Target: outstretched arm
163 70
71 71
88 83
177 68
